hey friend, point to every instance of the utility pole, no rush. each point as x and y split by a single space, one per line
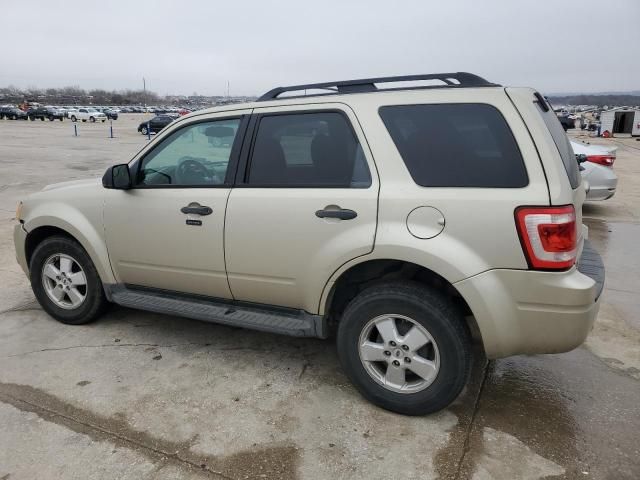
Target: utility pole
144 90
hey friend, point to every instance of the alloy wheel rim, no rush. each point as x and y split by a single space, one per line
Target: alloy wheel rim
399 353
64 281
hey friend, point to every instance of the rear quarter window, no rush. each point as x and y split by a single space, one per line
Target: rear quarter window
456 145
562 144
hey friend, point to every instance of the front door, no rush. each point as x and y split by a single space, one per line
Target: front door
305 205
167 231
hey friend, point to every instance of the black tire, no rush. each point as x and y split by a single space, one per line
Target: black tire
92 119
144 131
32 118
95 302
51 118
42 119
437 315
61 119
14 117
84 120
73 118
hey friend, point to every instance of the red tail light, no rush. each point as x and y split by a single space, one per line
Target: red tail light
606 160
549 236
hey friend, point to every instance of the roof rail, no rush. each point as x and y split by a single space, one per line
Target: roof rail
363 85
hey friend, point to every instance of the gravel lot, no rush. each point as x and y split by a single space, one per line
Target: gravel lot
144 396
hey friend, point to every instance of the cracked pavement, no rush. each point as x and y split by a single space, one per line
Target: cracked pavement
138 395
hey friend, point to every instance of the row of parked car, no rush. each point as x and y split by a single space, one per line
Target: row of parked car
80 113
52 113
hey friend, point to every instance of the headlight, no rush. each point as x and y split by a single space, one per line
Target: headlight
19 211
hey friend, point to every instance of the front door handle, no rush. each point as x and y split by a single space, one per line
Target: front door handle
339 213
197 209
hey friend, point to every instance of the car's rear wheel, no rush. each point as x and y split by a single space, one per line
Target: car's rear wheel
144 131
405 347
65 281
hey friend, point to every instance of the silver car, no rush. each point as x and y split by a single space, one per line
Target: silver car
597 170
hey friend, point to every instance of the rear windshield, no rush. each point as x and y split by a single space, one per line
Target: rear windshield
562 144
456 145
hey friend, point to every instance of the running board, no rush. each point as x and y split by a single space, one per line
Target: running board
296 323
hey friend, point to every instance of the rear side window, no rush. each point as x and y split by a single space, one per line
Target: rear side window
562 143
456 145
307 150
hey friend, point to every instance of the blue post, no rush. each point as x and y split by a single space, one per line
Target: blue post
111 128
75 129
148 131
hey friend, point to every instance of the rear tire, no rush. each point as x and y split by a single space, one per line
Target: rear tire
73 118
75 298
144 131
433 374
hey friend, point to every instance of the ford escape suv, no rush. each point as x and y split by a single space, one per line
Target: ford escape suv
408 219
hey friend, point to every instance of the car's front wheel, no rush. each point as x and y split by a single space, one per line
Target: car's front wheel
73 118
65 281
405 347
144 131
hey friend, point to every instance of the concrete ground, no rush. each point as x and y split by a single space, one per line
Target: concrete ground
144 396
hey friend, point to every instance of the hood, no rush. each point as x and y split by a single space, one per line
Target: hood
87 182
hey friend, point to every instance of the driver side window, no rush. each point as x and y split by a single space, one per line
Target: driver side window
195 155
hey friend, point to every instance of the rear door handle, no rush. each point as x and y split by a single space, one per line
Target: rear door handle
340 213
197 209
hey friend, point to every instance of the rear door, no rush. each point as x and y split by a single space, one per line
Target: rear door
304 204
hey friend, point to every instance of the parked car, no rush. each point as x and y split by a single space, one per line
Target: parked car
567 121
408 223
596 163
43 113
155 124
12 113
88 113
111 113
600 154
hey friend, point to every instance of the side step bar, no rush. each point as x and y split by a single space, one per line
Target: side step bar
296 323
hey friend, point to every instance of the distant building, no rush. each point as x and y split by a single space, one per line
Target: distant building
621 120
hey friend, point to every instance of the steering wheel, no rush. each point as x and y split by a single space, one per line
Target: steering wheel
192 172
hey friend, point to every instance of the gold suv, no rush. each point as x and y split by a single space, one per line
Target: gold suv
410 215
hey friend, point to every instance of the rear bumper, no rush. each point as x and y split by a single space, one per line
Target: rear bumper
530 312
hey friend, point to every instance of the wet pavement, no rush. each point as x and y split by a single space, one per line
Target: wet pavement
144 396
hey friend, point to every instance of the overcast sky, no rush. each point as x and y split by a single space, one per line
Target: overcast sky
188 46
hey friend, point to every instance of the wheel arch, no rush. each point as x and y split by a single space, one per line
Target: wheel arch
372 271
38 231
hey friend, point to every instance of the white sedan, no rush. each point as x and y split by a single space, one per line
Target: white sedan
597 169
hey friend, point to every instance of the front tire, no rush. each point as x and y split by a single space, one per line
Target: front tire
144 131
65 281
405 347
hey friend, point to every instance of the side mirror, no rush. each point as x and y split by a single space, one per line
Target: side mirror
117 177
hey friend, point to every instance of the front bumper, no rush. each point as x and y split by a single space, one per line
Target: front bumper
530 312
19 242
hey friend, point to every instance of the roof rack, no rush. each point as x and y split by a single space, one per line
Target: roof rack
456 79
